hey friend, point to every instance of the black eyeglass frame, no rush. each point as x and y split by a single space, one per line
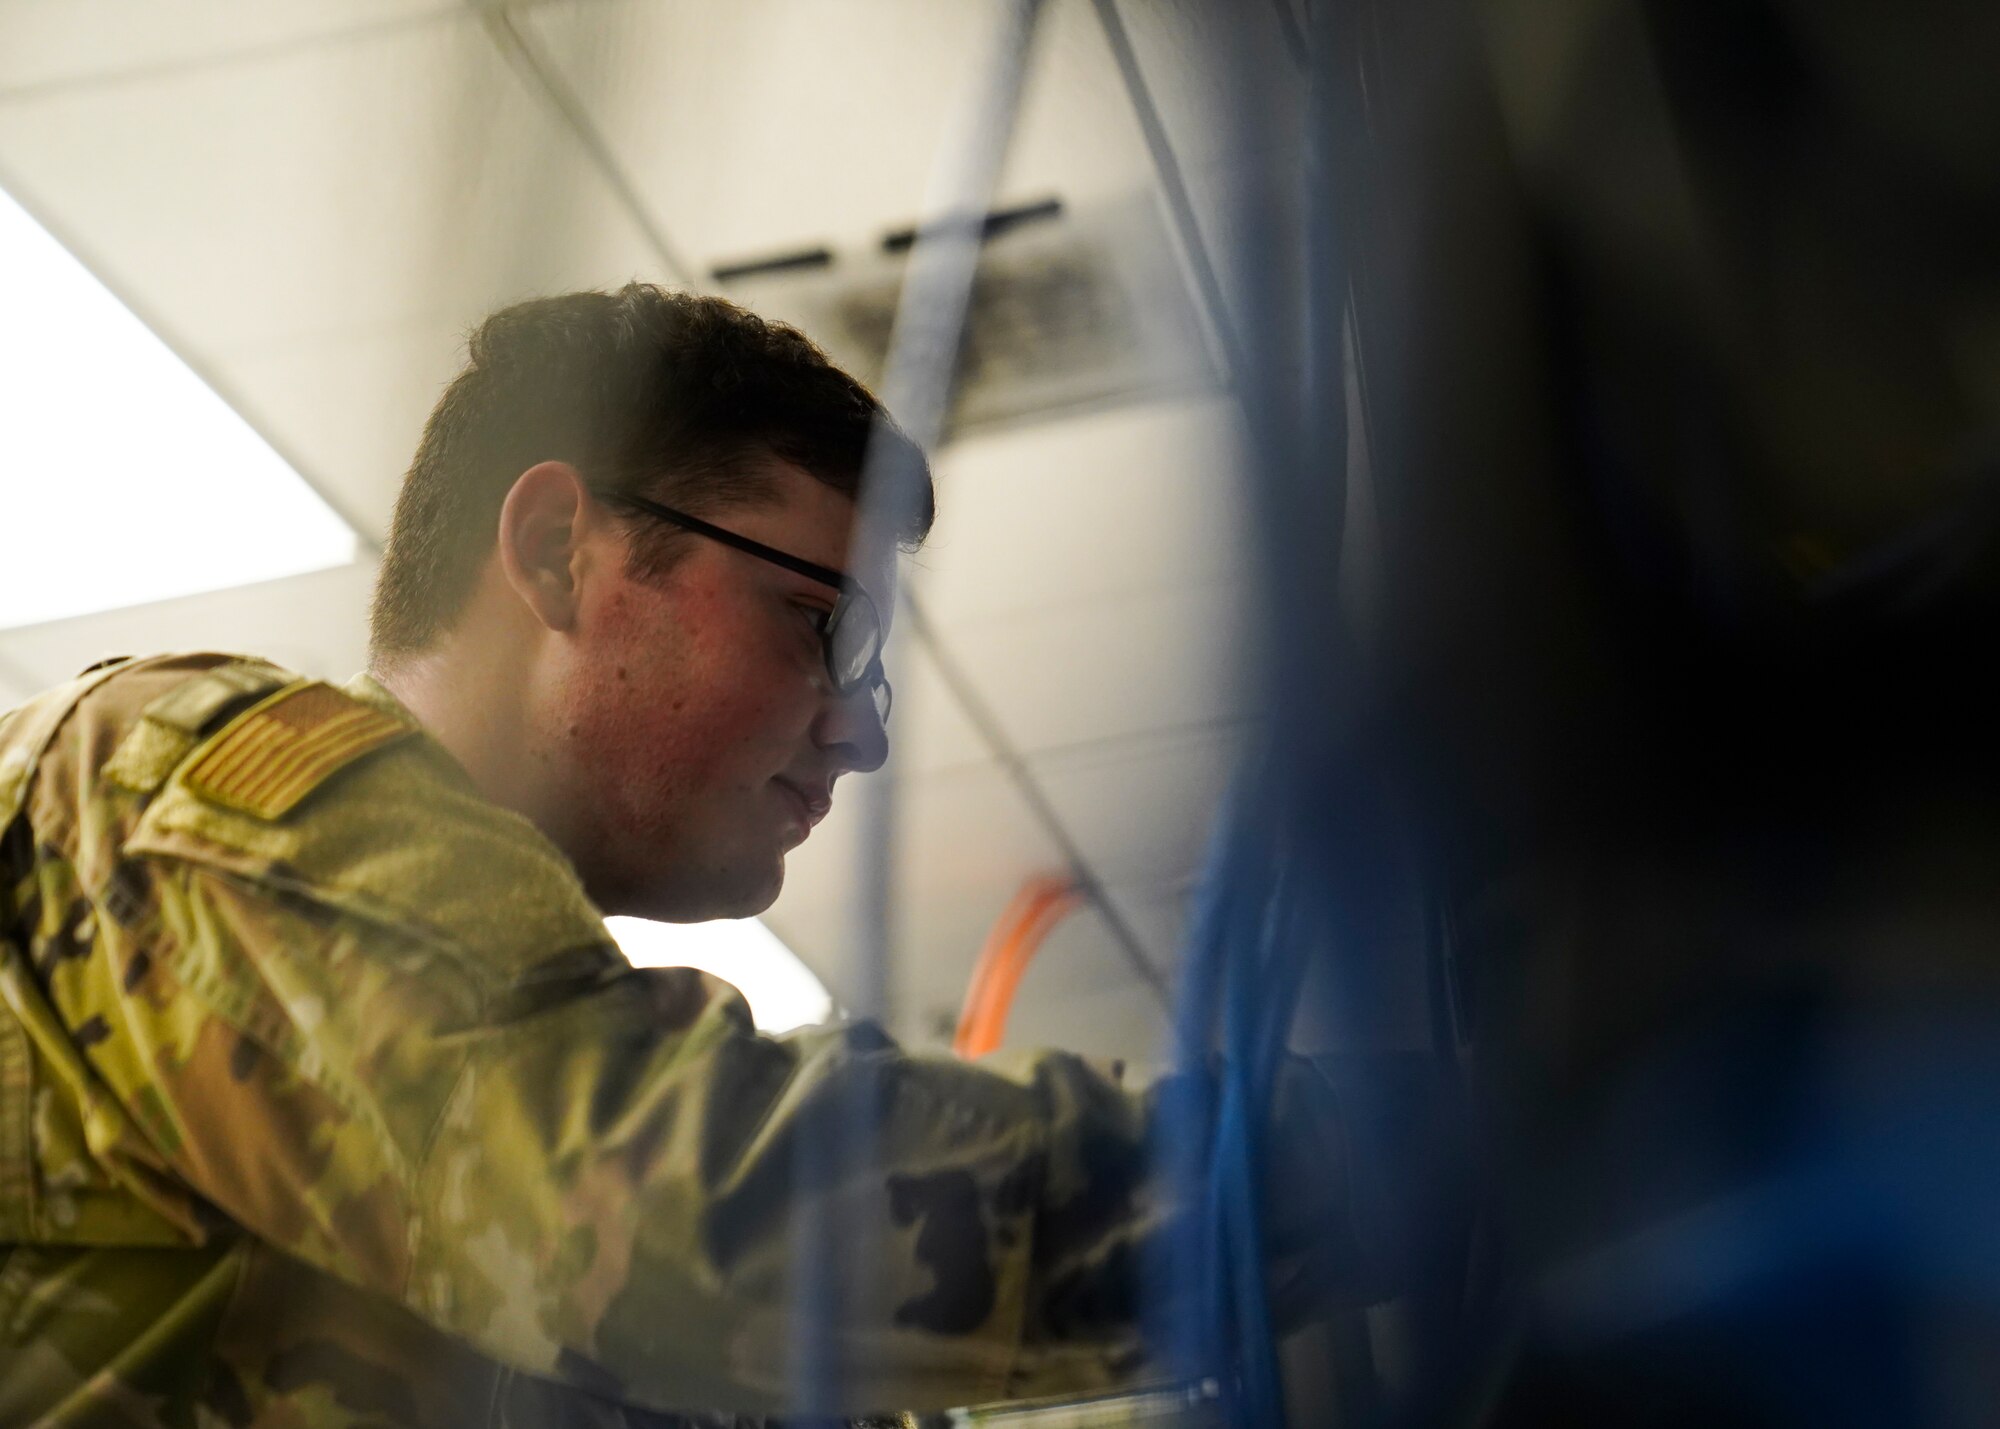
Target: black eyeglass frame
872 676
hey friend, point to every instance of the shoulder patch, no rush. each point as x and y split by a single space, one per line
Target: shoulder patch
274 754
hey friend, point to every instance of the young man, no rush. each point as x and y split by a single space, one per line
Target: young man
324 1096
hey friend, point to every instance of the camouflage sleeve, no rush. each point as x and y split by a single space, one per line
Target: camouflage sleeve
381 1028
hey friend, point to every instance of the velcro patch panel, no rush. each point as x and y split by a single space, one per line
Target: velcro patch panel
173 724
192 707
271 756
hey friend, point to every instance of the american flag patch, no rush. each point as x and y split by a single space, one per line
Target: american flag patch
274 754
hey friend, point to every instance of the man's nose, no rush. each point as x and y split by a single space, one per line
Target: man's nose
850 731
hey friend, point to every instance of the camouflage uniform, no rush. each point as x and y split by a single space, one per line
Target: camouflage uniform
326 1099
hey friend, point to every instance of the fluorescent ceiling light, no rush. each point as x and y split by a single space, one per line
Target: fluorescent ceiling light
125 479
781 990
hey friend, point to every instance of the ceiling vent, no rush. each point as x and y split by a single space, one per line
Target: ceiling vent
1071 308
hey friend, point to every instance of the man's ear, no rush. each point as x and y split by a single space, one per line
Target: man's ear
543 522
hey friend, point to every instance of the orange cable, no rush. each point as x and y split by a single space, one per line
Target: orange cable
1008 931
1016 937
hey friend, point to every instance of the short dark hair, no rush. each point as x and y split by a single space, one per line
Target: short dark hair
648 391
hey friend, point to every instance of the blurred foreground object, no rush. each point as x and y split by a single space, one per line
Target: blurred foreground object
1680 326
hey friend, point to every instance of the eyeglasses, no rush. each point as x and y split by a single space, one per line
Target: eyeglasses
850 635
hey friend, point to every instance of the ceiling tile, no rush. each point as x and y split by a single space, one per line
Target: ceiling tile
1155 913
929 727
1130 499
1140 809
1122 1023
383 179
51 42
1110 668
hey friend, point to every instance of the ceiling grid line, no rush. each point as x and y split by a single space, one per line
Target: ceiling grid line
1173 188
543 80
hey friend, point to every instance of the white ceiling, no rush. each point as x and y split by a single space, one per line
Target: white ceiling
312 201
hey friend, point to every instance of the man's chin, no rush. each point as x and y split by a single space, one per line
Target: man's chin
743 895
